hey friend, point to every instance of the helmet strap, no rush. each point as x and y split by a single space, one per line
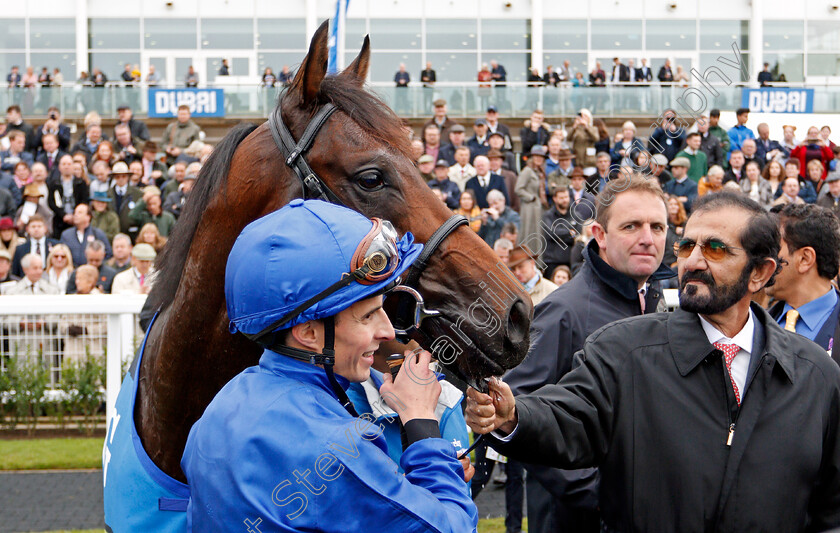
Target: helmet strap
325 359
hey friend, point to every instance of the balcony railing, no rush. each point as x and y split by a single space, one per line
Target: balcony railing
464 100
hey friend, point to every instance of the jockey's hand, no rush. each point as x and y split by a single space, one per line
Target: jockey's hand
469 469
488 412
415 392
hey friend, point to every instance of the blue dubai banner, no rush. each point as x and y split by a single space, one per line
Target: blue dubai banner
778 100
164 103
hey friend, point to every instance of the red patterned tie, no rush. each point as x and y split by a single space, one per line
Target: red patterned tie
729 353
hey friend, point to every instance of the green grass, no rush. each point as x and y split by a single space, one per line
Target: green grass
46 454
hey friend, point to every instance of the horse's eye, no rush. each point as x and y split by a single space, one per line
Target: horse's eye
371 181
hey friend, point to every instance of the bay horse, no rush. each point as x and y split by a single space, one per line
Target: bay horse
361 154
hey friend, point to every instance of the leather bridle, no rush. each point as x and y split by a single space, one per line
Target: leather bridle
315 188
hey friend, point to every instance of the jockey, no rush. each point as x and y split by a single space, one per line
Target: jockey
280 447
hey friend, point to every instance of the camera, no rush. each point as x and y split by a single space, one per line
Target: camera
54 115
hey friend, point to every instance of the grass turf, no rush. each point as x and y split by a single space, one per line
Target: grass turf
47 454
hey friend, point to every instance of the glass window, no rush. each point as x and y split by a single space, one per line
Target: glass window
516 65
720 34
505 34
12 33
227 33
791 65
66 61
237 66
354 34
282 34
170 33
459 66
393 34
671 35
182 66
711 60
383 65
822 36
276 60
52 33
8 60
577 62
454 34
784 35
160 67
112 64
564 35
616 34
114 33
824 64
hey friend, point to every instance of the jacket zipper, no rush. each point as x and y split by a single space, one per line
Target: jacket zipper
731 434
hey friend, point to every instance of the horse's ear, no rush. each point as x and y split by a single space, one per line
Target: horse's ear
359 67
314 67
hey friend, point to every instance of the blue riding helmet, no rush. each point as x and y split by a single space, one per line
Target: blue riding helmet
298 253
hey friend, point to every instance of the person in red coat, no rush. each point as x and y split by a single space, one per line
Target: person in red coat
813 147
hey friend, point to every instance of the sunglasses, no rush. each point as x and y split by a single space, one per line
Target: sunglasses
713 249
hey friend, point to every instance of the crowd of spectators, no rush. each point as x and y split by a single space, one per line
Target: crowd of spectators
562 168
108 200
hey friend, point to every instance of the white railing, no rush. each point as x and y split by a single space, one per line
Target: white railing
35 324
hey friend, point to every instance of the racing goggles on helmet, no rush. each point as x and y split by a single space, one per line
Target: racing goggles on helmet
376 257
406 309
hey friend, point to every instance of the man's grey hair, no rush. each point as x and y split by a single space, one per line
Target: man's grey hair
503 244
121 237
494 195
27 259
95 246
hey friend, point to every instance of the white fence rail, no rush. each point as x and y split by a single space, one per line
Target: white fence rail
61 327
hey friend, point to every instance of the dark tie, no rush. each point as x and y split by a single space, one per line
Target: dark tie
50 162
119 199
38 248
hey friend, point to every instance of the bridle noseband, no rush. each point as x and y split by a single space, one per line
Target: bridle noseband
315 188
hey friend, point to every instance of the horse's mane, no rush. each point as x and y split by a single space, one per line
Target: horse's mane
170 264
363 107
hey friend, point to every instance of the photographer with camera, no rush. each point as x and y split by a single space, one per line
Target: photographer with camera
53 125
124 147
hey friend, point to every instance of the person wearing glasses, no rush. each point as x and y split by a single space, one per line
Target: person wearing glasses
619 278
710 418
280 447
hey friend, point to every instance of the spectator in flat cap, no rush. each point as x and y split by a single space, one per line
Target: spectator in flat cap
681 186
440 180
456 140
137 279
426 166
478 143
496 141
830 201
443 122
658 167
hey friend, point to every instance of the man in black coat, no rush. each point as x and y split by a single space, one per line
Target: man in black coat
711 418
618 263
485 181
139 130
50 156
710 144
65 194
806 301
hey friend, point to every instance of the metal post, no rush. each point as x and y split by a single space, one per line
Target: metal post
113 366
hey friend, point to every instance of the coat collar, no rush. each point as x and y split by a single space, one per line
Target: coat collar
621 283
690 345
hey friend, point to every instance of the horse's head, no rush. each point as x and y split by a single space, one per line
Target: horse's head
361 154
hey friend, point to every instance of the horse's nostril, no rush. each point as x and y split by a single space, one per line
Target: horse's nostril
516 339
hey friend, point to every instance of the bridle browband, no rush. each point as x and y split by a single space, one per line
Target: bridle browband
314 187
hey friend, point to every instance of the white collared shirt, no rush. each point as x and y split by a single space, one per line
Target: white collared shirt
744 339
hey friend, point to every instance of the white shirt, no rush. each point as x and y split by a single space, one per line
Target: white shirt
744 339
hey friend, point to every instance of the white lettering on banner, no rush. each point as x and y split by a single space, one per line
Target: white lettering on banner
167 102
778 101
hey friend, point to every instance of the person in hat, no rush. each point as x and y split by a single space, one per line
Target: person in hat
6 270
530 189
440 180
9 238
681 186
582 201
176 199
440 119
582 138
523 263
497 160
559 177
139 130
138 279
426 166
124 198
456 140
478 143
494 126
102 216
830 200
326 470
657 167
32 206
496 141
